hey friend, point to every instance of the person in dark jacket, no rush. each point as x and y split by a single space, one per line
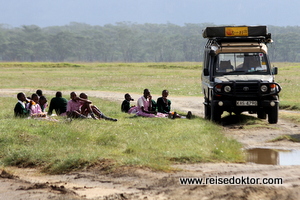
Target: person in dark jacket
164 106
163 103
59 104
126 103
20 107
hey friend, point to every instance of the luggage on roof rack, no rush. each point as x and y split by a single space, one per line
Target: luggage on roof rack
236 31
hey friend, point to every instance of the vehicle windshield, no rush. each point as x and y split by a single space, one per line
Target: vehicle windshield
241 63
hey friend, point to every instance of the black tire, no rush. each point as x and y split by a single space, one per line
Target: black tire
261 114
273 114
215 114
207 111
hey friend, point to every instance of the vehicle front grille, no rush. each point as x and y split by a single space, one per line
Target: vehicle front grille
246 89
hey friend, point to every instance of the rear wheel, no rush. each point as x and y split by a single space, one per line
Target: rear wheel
273 114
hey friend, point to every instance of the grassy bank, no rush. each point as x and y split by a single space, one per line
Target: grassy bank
58 147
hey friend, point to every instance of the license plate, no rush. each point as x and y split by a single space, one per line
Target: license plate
246 103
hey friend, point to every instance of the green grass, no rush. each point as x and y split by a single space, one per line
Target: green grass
59 147
179 78
288 74
286 137
293 116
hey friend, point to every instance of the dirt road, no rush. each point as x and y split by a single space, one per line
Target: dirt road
135 183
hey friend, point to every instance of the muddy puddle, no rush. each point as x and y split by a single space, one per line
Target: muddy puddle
273 156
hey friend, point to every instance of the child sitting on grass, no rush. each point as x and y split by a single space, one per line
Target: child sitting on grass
125 107
76 104
34 108
94 109
144 106
20 107
164 106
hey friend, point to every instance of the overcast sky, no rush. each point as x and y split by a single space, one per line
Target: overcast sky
45 13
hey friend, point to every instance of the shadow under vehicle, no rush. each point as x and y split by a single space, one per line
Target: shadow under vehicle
237 75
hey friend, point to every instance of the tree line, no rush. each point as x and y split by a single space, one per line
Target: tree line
125 42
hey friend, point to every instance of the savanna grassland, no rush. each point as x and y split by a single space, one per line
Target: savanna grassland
180 78
288 78
58 147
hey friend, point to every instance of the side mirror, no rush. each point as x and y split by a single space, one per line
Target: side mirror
205 72
274 70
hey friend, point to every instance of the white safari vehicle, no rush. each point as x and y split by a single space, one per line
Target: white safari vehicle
237 74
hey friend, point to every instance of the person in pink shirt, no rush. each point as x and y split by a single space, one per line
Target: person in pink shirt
34 107
94 109
76 105
144 106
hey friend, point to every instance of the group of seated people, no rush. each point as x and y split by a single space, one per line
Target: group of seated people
76 107
31 106
81 107
147 107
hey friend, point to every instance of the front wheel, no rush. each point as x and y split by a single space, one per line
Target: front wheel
207 111
215 114
273 114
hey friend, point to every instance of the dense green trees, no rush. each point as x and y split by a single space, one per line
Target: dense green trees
125 42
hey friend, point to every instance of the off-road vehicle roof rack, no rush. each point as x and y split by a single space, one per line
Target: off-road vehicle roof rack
235 33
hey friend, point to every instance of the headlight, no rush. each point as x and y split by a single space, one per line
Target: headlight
264 88
218 88
227 88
